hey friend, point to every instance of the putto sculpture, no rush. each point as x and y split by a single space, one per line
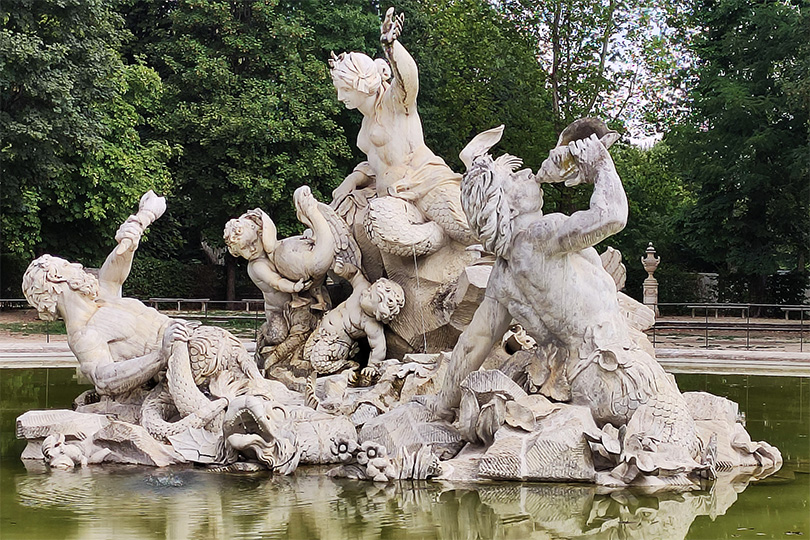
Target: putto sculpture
285 270
541 371
330 348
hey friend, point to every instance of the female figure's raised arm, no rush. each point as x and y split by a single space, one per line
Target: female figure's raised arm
406 75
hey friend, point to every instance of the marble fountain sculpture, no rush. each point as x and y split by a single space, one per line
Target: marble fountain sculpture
517 359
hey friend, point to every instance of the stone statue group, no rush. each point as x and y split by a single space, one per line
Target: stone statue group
426 324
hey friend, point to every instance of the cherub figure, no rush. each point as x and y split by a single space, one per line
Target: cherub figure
331 346
282 269
253 236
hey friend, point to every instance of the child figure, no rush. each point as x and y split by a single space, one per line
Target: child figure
284 268
253 236
331 346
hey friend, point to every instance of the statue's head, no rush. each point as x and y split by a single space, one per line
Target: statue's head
384 299
48 277
250 235
356 76
493 193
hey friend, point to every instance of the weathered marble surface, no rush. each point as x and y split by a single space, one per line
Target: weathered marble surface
405 195
589 353
291 272
333 343
550 378
182 392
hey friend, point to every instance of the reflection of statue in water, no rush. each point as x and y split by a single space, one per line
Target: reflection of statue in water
146 367
416 212
549 279
318 507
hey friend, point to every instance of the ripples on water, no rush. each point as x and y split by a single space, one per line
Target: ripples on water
123 502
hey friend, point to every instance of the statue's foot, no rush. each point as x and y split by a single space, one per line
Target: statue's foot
365 377
435 407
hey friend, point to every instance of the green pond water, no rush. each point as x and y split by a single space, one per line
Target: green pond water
131 502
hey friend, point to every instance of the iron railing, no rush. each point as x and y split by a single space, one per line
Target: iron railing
754 321
676 322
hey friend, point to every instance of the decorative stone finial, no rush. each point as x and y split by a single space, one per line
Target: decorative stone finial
650 263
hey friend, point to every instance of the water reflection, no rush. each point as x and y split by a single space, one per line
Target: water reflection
125 503
191 503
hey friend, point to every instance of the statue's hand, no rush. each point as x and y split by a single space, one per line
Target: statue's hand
129 234
589 155
370 371
302 284
340 193
178 330
391 27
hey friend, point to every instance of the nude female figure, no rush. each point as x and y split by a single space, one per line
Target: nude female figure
391 136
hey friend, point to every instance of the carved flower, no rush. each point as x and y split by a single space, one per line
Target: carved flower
374 457
370 450
344 448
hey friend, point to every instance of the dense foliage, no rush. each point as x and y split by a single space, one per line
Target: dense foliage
226 105
745 148
71 159
250 101
477 72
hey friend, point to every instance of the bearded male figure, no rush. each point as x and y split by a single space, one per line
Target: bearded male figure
151 368
120 343
550 279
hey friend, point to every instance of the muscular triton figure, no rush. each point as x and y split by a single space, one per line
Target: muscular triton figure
120 343
550 279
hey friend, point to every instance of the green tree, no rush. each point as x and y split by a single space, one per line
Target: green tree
616 59
250 100
72 164
657 198
745 147
613 60
476 72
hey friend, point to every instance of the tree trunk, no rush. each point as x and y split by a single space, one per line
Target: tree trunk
758 291
555 65
230 282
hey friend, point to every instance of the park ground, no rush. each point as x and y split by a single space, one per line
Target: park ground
19 326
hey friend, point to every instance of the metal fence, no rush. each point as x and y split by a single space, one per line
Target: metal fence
238 316
717 324
711 324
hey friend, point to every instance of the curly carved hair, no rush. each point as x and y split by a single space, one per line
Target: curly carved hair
42 283
234 229
486 202
388 297
359 71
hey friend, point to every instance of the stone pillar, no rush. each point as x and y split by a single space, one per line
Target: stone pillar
650 263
